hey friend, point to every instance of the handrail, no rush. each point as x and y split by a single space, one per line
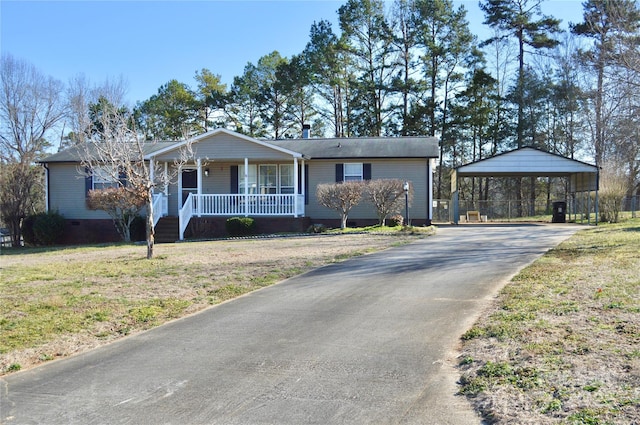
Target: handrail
159 207
240 205
185 214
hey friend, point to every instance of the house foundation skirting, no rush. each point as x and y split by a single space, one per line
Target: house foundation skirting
215 227
85 231
79 231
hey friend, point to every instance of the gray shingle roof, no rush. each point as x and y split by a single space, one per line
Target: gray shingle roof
362 147
344 148
73 154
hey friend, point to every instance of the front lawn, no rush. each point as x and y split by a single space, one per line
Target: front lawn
61 301
561 345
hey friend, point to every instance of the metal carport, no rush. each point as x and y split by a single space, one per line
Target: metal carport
529 162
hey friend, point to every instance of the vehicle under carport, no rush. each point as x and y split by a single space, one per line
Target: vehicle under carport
531 162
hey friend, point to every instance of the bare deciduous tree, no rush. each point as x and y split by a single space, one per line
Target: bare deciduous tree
387 196
340 197
614 184
30 107
81 94
118 153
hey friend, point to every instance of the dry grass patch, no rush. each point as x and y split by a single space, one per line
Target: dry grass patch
561 345
60 302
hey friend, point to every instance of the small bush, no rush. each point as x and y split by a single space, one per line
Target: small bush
48 228
317 228
43 228
27 230
138 229
14 367
240 226
396 220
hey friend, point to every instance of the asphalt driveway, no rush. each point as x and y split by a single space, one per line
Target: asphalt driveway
371 340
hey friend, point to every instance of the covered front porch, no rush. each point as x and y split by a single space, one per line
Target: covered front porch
209 205
230 205
229 174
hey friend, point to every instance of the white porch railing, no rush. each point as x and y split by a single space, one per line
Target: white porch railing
160 206
239 205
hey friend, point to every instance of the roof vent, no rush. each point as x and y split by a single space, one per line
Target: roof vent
306 131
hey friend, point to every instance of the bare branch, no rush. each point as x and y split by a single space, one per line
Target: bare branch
340 197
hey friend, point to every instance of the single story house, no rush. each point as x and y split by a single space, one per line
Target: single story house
231 174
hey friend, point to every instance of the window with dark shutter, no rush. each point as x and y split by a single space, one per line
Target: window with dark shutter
88 181
366 171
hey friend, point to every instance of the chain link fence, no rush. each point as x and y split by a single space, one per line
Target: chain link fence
580 208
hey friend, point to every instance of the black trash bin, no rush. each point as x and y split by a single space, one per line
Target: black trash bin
559 212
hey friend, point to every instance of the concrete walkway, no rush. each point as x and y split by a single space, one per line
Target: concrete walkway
371 340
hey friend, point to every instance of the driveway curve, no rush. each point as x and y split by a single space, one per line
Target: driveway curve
371 340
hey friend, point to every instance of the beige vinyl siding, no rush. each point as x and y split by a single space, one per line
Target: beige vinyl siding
219 178
218 182
67 192
225 147
412 170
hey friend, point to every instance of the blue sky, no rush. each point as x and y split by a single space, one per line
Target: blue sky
149 43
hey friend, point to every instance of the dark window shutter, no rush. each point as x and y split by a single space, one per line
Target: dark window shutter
88 181
233 178
122 176
366 171
339 173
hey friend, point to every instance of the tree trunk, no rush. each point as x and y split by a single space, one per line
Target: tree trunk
15 231
150 227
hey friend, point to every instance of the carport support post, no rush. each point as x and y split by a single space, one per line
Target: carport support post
456 208
454 196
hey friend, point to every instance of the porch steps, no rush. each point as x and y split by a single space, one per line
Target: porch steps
167 230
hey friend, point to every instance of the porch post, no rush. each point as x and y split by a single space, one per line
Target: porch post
303 192
199 183
166 183
246 187
295 186
152 166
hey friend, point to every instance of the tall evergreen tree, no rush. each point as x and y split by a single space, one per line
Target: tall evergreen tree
447 50
522 21
367 39
245 106
211 95
406 82
609 24
295 78
471 117
326 63
568 101
272 94
169 114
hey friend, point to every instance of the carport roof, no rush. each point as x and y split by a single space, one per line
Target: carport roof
525 161
528 161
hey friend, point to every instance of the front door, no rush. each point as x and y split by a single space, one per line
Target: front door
189 183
